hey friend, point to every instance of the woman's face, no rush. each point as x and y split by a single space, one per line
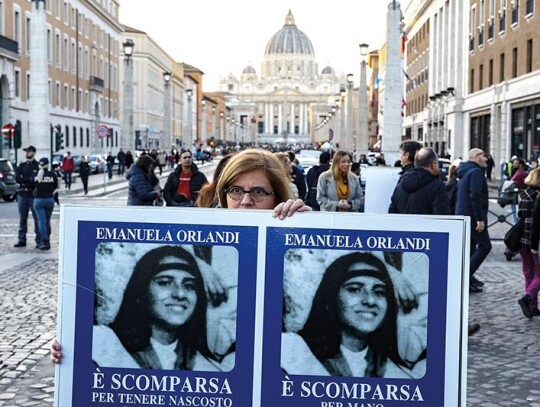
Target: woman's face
362 303
344 164
248 182
172 298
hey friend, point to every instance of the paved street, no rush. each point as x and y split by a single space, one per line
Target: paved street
502 362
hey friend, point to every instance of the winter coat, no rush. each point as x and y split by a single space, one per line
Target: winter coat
312 179
198 179
420 192
140 189
473 195
327 192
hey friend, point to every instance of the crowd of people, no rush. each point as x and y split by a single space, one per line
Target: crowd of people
262 179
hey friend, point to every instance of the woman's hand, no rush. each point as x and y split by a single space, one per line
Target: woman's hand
288 208
56 352
343 204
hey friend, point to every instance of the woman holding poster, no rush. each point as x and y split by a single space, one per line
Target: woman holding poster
161 323
351 329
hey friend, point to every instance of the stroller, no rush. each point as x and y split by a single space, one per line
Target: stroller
508 195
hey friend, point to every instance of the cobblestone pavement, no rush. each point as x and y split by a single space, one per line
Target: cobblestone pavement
503 358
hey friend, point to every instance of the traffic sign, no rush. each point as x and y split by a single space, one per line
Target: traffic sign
102 131
7 130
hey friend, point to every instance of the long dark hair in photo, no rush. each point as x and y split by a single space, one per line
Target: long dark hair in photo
322 330
133 322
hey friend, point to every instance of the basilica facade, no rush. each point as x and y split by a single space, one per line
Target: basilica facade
290 97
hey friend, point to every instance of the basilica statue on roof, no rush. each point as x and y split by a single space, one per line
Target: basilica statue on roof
290 97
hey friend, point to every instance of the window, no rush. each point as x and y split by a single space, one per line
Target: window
529 7
514 62
17 83
49 45
529 55
81 137
490 72
515 12
27 86
28 27
58 49
481 77
66 97
57 95
66 53
17 26
471 82
501 68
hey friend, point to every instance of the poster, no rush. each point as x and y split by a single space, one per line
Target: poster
236 308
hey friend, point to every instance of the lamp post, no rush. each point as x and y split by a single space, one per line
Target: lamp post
166 143
189 141
349 141
38 103
128 136
221 136
203 122
214 129
363 133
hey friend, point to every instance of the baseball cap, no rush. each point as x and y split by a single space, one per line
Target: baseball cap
43 161
30 148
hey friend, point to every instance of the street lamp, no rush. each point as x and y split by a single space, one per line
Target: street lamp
221 114
128 136
189 94
203 122
167 136
214 129
363 133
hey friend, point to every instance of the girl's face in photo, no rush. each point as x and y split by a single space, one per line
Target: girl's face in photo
362 303
172 298
252 181
344 164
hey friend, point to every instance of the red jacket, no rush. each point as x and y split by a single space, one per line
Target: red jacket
68 165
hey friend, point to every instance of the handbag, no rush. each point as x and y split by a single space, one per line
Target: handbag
513 236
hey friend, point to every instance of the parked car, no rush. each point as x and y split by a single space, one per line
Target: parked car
8 185
308 158
97 163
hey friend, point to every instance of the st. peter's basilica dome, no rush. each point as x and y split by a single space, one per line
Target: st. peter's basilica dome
289 40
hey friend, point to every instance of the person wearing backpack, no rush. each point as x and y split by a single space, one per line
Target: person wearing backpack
312 178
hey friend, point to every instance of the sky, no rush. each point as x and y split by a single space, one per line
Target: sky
219 37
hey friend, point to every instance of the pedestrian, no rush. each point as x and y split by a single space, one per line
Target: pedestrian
129 159
298 177
473 201
46 186
529 210
490 163
338 189
25 176
351 329
184 183
288 167
121 157
407 151
519 174
312 178
67 167
207 195
451 184
142 183
420 190
110 164
381 160
84 172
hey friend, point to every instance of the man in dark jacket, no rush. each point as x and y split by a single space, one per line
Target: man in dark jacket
312 178
473 201
407 151
420 190
184 183
25 176
298 177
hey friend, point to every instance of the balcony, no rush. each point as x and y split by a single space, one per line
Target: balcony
96 84
9 47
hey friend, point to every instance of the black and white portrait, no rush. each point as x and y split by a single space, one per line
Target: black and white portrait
355 313
165 307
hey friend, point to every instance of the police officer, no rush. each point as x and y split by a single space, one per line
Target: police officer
25 176
46 186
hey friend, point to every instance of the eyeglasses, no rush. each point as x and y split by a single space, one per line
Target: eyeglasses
257 194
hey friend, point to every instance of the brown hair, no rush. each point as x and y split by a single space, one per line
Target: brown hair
207 195
252 160
533 179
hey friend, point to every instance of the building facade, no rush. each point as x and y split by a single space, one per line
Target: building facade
473 69
290 97
83 77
